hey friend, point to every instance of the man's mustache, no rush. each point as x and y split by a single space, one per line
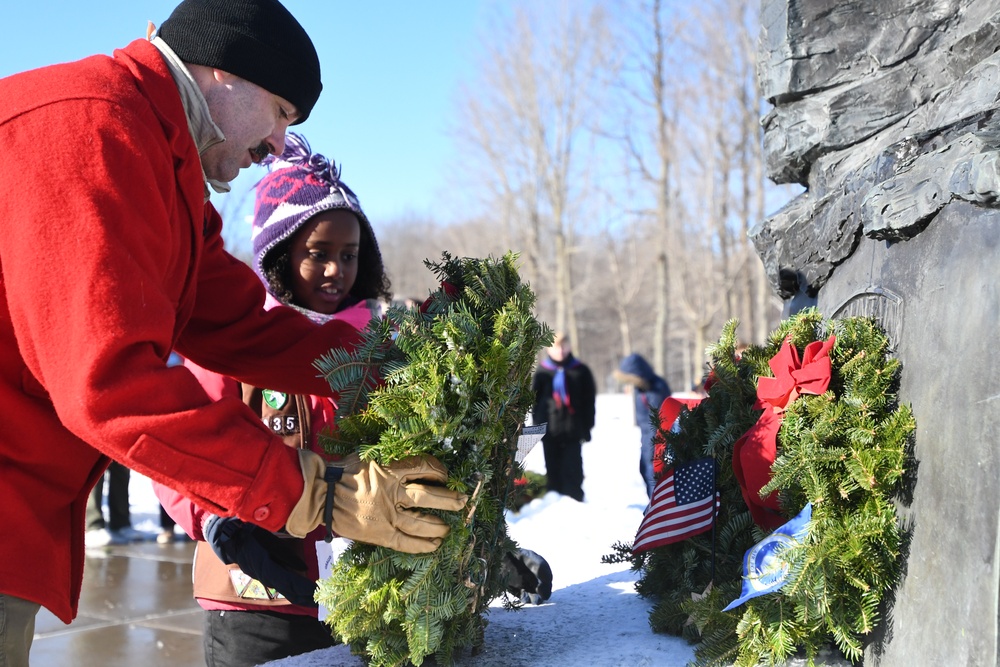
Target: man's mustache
260 152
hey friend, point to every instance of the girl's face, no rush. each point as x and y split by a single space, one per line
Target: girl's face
324 255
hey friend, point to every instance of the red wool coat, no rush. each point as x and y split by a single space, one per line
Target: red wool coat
109 258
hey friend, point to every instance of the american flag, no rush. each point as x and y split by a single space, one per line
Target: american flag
683 505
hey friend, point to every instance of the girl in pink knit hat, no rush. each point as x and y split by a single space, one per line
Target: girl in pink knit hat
315 251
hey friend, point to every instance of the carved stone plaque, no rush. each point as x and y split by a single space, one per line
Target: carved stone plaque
938 298
879 303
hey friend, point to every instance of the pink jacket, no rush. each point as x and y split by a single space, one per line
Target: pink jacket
214 589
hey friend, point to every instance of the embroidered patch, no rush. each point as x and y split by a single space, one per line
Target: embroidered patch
275 399
249 588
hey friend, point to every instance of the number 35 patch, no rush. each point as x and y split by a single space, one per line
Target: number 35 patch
283 424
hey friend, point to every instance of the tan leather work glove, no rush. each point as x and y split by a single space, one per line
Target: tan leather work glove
377 505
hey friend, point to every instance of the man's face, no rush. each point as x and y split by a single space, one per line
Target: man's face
559 351
253 120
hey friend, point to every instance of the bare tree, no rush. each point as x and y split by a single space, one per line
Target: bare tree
650 127
536 136
407 241
726 45
525 129
623 264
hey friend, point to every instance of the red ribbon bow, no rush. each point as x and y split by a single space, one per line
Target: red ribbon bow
757 449
450 291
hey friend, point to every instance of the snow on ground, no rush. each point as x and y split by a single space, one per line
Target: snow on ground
594 617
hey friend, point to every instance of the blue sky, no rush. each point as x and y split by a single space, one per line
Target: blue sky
391 71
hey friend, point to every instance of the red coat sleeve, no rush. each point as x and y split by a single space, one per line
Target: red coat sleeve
187 514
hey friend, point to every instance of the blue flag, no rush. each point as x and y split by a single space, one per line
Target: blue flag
764 568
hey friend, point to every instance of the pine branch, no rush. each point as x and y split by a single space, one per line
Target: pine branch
843 451
455 383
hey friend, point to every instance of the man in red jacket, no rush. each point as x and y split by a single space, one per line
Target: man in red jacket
111 257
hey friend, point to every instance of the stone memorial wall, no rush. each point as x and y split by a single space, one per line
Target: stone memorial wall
888 112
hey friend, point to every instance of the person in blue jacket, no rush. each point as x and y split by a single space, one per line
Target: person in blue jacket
649 390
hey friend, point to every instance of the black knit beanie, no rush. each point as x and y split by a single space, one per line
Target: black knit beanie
257 40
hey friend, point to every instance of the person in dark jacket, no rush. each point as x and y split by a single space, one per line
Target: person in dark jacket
649 391
565 397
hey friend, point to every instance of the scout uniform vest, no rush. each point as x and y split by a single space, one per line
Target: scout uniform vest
289 416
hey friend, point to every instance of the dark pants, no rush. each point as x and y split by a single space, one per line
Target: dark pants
166 521
646 464
564 465
248 638
118 510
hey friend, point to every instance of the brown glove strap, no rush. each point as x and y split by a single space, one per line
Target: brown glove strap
332 476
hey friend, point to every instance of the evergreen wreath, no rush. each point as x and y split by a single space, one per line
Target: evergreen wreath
452 380
844 451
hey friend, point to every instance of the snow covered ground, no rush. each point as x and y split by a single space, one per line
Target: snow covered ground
594 617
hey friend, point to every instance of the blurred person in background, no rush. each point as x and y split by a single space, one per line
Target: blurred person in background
565 399
648 390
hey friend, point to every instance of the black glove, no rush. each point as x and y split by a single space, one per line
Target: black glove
262 555
527 575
